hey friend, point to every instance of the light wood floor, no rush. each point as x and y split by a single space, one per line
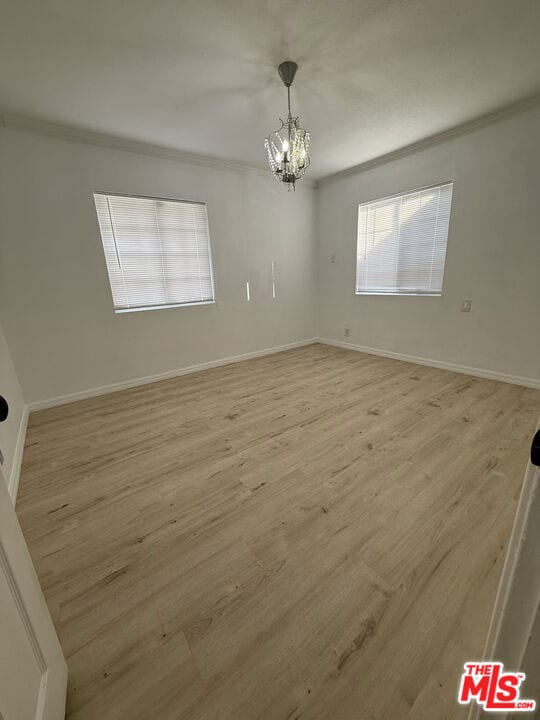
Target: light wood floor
313 535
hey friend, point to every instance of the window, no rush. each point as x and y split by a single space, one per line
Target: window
402 243
157 251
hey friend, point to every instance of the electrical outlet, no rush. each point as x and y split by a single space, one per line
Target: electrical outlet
332 258
347 332
466 305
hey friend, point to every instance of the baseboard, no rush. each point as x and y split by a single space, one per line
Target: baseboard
13 483
135 382
453 367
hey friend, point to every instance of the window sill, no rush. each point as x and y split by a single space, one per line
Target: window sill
121 311
401 294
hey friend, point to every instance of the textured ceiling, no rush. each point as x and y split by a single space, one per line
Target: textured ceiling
200 76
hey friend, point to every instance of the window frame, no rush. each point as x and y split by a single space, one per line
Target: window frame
168 306
390 197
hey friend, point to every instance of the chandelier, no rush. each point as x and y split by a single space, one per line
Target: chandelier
287 147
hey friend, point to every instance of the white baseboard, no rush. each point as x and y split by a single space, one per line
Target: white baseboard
13 483
465 369
135 382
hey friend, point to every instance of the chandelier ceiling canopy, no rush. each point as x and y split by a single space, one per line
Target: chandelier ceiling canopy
288 146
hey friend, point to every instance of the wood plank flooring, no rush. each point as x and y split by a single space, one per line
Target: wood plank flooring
311 535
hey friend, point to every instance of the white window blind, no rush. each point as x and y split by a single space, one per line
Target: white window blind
157 251
402 243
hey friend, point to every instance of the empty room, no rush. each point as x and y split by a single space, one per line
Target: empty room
269 360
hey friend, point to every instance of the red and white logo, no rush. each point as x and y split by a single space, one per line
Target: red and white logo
487 684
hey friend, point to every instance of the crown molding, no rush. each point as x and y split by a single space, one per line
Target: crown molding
37 126
450 134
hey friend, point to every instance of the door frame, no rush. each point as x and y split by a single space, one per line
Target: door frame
18 569
518 595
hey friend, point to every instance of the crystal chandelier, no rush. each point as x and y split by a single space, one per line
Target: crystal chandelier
287 147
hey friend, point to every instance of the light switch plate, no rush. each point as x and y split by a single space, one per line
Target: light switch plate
466 305
332 258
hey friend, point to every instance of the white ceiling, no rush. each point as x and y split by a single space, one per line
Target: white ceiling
200 76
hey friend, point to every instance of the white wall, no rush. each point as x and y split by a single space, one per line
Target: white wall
55 300
493 254
13 428
54 292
